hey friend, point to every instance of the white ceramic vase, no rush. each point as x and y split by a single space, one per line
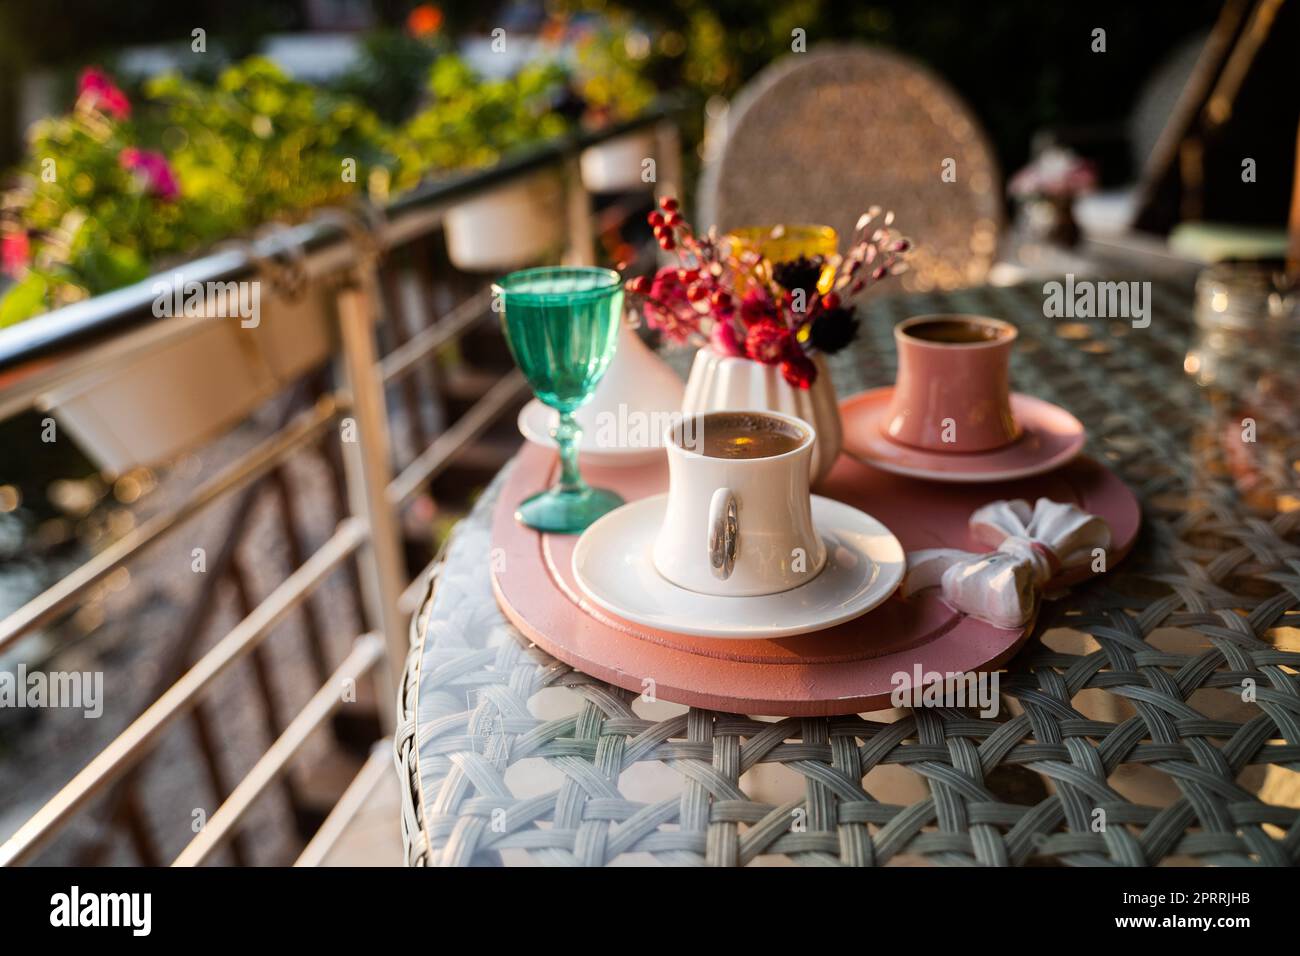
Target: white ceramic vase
724 383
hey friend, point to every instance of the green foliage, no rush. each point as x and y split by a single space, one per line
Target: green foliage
258 145
472 122
611 72
95 227
252 147
389 74
25 299
199 161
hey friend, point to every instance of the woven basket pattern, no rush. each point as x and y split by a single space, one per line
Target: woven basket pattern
1122 739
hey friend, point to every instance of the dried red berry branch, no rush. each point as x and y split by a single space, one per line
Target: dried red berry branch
740 304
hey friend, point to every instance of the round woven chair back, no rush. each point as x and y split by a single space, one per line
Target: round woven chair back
821 136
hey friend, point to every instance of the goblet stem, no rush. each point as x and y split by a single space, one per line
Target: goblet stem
566 433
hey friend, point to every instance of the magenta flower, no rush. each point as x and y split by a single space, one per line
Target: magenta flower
668 309
101 93
724 340
756 307
153 171
15 252
668 287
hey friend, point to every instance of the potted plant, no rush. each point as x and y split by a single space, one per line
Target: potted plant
107 197
764 328
610 83
472 122
118 207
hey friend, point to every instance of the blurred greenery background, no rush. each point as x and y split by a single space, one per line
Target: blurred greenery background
214 140
1023 65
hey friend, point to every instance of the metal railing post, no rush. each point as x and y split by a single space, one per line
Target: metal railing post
366 460
581 247
668 160
668 172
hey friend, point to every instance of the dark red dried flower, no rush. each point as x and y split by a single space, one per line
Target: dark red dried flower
769 342
756 307
799 275
798 369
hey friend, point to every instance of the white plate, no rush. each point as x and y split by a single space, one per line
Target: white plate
535 423
614 567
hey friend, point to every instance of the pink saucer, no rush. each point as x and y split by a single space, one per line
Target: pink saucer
1051 438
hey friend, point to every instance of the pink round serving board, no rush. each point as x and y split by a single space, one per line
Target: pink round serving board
845 669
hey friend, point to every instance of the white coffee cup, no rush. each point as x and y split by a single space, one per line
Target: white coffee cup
738 526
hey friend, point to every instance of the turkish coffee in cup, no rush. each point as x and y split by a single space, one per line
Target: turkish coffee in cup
739 435
738 519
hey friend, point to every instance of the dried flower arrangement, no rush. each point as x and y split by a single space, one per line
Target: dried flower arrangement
743 305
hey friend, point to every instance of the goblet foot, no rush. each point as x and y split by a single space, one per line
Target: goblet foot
566 512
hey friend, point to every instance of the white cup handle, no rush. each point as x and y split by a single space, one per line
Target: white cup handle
724 531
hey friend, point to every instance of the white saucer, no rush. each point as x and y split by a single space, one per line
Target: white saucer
614 567
1050 437
535 423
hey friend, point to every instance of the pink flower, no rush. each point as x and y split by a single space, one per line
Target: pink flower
15 252
668 287
101 93
1055 172
674 324
724 340
667 307
153 170
755 307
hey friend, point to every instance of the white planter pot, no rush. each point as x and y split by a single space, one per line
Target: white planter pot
616 165
189 382
723 383
510 226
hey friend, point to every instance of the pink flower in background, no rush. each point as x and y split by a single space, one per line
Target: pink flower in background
15 252
1054 172
101 93
153 170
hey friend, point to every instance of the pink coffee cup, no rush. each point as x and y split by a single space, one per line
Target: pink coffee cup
953 389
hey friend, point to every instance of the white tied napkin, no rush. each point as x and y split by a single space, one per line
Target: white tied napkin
1033 546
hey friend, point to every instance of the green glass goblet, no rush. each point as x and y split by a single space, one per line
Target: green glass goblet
562 326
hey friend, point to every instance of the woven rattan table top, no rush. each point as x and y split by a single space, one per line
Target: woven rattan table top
1153 718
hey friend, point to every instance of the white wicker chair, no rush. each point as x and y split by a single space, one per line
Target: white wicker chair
818 137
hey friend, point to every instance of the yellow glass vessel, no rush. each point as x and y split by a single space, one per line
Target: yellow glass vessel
782 243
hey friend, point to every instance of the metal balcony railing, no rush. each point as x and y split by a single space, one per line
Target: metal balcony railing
374 289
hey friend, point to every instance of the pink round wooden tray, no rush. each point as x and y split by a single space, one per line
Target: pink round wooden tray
846 669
